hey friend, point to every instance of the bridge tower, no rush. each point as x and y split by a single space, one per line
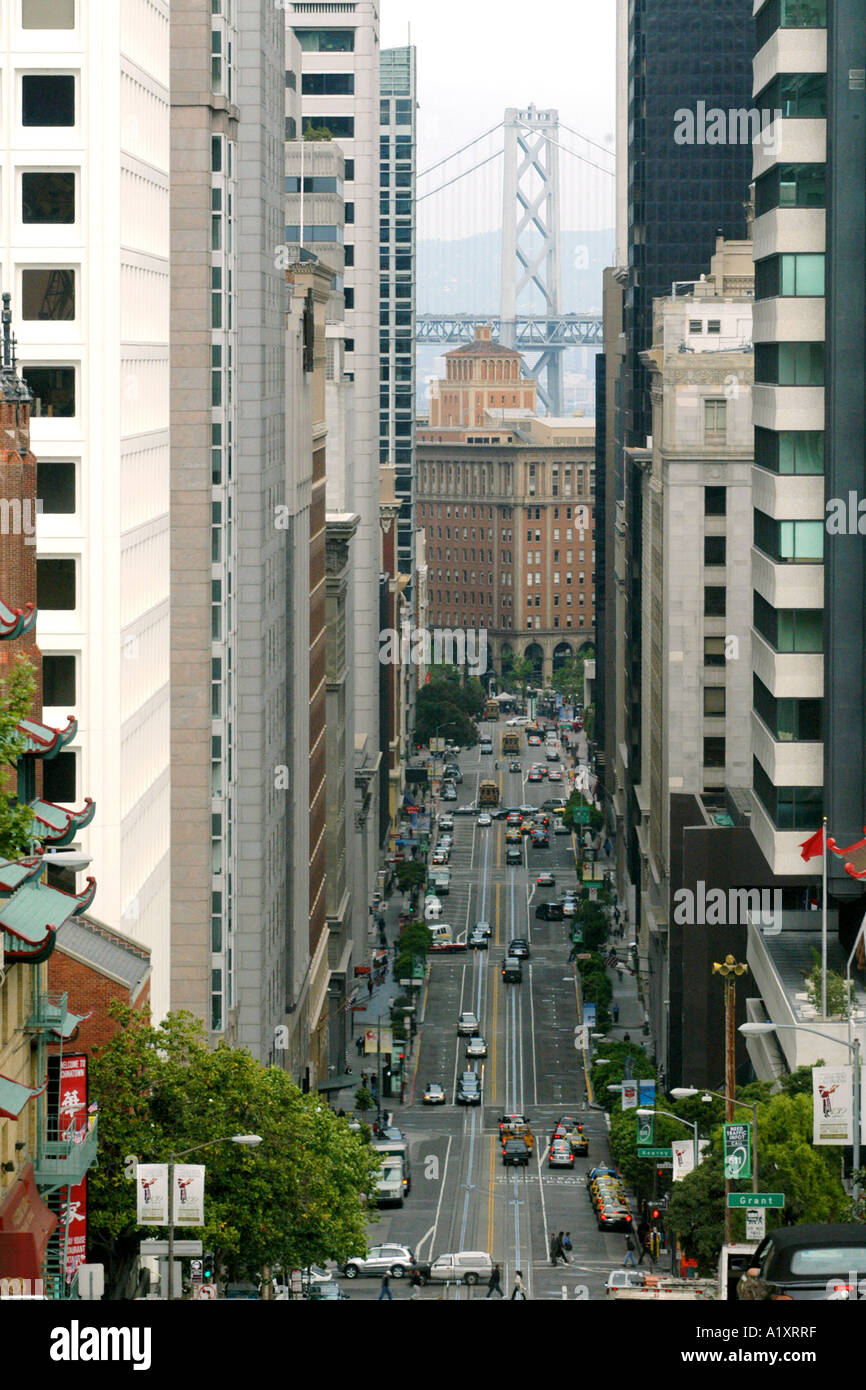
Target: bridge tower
530 238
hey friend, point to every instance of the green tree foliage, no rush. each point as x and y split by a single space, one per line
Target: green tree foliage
411 874
16 703
593 923
576 802
449 698
596 987
568 679
415 940
296 1199
520 673
837 989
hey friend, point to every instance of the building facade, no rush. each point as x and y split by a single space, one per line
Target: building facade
526 576
84 245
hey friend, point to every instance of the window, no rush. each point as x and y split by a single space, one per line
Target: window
55 487
328 84
789 629
715 501
714 325
789 808
715 420
796 275
789 14
714 752
55 585
47 14
58 778
58 680
714 701
291 128
714 550
790 364
789 720
319 183
48 99
326 40
340 127
695 326
795 94
53 391
791 542
48 295
789 451
47 198
714 651
715 601
791 186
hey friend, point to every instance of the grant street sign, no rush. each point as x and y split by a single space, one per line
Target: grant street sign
756 1199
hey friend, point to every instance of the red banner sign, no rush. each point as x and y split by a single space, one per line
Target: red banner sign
76 1249
72 1108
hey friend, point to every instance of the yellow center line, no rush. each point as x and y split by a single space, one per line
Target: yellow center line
491 1195
494 1010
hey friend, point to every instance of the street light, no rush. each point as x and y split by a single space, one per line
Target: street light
688 1124
754 1030
685 1092
249 1141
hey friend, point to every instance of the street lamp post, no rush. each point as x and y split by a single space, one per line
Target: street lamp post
752 1030
248 1140
685 1092
689 1124
730 970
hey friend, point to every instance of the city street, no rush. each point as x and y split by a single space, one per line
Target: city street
462 1196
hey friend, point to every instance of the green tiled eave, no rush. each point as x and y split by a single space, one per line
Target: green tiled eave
33 915
43 741
14 1097
57 824
15 872
14 622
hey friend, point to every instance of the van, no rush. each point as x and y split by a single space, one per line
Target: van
389 1189
441 934
466 1267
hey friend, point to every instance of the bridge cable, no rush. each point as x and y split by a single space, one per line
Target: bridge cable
449 157
480 165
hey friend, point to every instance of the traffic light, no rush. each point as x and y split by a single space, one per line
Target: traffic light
207 1266
655 1214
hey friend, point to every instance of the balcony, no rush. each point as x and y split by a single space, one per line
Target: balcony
64 1162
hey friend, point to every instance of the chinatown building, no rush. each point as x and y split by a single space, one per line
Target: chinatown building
48 1138
505 499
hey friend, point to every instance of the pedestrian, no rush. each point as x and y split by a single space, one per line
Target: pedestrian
494 1283
645 1249
385 1289
519 1290
629 1253
369 984
560 1249
554 1249
566 1243
359 1043
616 1013
417 1285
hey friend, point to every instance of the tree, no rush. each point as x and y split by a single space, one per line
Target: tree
16 703
568 679
838 999
299 1198
521 673
577 801
448 699
411 874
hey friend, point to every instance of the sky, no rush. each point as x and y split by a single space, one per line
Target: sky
475 57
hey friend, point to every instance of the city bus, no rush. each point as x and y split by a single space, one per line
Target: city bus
488 794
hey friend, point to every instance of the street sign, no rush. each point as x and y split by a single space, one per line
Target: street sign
204 1291
182 1248
738 1150
647 1151
756 1223
756 1199
580 816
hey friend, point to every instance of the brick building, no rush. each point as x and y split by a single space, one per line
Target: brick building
93 965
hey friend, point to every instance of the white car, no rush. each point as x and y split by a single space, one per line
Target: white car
446 822
476 1047
485 820
395 1260
467 1025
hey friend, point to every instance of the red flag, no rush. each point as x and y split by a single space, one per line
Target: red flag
813 846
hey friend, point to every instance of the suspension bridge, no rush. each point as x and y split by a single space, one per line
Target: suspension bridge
516 166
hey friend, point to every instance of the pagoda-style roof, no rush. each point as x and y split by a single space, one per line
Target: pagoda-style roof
15 622
32 916
43 741
68 1024
14 1097
57 824
14 872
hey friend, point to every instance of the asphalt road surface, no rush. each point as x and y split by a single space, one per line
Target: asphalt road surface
462 1197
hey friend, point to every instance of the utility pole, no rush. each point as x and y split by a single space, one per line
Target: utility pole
729 971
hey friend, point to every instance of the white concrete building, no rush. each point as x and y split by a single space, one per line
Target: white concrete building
84 244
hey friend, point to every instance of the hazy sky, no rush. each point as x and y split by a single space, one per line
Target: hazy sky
475 57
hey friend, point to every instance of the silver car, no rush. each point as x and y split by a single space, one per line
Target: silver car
477 1047
396 1260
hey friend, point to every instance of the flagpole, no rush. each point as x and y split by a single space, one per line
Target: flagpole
824 922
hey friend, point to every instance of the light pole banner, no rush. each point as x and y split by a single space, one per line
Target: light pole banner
646 1094
151 1186
738 1150
188 1197
646 1128
629 1095
683 1155
832 1105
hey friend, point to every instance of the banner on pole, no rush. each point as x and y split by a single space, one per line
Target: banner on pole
188 1195
683 1158
151 1185
629 1095
738 1150
646 1128
646 1095
832 1105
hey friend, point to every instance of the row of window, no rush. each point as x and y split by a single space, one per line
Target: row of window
791 542
789 808
789 14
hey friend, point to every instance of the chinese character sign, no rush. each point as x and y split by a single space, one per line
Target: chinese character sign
72 1100
74 1212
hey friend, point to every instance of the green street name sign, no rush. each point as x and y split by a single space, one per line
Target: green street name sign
756 1199
580 815
644 1152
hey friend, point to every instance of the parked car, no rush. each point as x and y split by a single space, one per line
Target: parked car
466 1267
467 1024
518 947
569 907
552 755
807 1263
477 1047
329 1292
468 1089
396 1260
434 1094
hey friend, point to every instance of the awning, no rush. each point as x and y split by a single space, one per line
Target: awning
26 1225
14 1097
339 1083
